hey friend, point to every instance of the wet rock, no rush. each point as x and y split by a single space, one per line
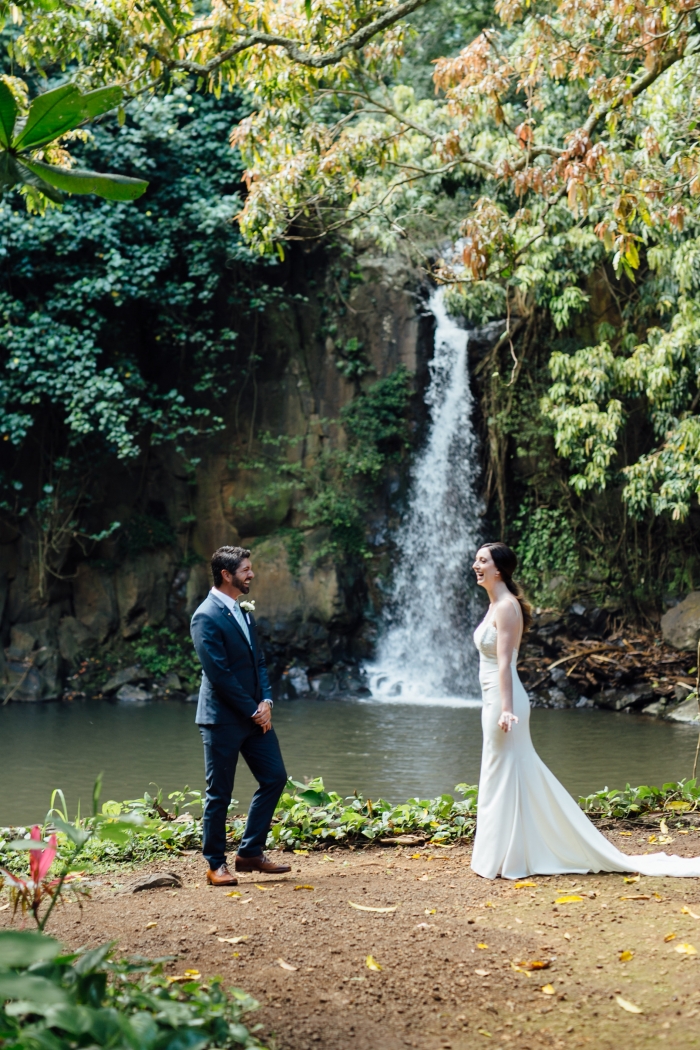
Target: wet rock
171 682
686 712
324 684
680 626
299 680
127 676
132 693
656 709
95 601
34 663
587 620
143 589
74 639
156 880
561 682
620 699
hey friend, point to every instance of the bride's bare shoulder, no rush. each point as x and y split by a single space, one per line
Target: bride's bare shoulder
507 613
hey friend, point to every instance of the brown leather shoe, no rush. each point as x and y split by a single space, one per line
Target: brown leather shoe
261 863
221 877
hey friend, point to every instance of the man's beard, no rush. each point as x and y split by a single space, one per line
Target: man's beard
242 585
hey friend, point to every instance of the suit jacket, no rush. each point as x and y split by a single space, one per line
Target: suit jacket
234 675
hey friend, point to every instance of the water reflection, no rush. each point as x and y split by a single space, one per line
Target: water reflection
393 750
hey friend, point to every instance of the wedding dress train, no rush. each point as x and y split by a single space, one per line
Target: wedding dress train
528 823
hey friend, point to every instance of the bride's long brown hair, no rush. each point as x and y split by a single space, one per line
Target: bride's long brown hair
506 561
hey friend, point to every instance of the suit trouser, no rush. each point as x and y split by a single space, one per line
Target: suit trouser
261 751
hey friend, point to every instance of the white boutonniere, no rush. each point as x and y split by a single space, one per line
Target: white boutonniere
248 607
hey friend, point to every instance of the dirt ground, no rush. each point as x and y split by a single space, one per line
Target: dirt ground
447 952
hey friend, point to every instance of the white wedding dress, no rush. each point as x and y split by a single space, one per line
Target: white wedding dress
527 822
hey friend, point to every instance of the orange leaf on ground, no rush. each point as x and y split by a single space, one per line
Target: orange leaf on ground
626 956
547 989
670 937
304 887
482 945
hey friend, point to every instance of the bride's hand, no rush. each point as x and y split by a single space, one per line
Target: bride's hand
507 721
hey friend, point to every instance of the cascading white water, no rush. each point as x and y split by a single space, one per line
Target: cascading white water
425 653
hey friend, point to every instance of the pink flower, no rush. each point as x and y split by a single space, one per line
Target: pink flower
40 860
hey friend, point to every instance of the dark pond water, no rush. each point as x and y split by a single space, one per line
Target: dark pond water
390 749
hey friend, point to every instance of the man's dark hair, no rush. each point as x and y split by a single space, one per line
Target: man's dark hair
228 558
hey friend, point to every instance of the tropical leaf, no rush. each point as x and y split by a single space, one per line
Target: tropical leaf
8 113
25 947
75 180
24 175
65 112
165 18
47 107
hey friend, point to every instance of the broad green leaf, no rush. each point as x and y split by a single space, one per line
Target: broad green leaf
49 109
25 175
8 114
28 844
76 835
111 187
101 101
20 948
27 987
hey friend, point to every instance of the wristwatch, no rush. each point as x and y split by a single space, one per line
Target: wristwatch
266 700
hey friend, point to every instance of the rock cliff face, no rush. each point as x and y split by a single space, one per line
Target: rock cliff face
312 609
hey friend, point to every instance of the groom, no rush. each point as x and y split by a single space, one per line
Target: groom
234 715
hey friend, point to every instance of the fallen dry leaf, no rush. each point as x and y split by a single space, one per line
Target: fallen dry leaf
304 887
625 956
489 904
371 963
628 1006
258 887
670 937
522 885
232 940
637 897
188 975
652 838
430 911
685 949
482 973
233 893
547 989
482 1031
150 925
482 945
366 907
632 878
301 852
532 964
571 899
286 965
663 827
679 807
627 833
686 911
415 856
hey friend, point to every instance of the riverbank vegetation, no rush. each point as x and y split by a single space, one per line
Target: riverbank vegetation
308 817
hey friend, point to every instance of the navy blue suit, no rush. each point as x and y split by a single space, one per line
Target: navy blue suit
234 681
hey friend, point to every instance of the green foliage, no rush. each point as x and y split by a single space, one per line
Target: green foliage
145 532
27 134
91 999
674 799
161 650
547 549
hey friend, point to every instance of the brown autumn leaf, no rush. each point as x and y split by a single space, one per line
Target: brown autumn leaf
304 887
670 937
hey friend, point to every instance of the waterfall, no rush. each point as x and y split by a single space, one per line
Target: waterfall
425 652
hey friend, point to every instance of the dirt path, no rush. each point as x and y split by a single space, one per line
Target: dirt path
446 952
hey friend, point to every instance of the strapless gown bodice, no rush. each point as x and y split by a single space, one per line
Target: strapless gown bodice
527 822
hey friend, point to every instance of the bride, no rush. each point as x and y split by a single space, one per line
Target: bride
527 823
